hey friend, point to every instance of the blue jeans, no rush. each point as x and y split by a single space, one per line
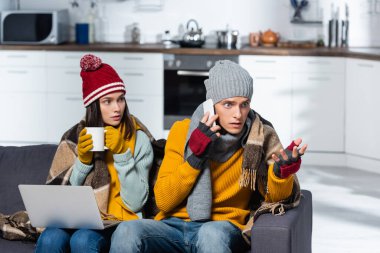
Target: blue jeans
175 235
67 240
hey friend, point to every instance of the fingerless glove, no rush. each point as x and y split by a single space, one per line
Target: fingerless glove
199 141
285 168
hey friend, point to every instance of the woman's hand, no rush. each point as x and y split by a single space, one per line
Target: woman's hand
289 160
85 144
114 141
204 134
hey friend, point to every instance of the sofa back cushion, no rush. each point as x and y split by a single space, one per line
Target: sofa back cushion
22 165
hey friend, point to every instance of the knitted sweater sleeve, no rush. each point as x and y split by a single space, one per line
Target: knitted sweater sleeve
80 172
133 172
176 177
278 188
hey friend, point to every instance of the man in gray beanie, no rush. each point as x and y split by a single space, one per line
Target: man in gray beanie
211 173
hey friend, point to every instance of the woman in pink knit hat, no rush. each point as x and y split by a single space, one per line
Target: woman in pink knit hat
118 175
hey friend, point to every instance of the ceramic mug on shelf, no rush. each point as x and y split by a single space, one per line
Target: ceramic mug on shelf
254 39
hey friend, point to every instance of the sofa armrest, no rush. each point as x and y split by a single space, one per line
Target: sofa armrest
288 233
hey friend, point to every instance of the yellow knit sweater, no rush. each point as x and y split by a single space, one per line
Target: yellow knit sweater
176 178
116 206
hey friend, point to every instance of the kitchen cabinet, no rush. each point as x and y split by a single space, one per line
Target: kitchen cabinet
362 108
41 92
64 93
318 85
142 74
271 91
302 97
149 110
23 97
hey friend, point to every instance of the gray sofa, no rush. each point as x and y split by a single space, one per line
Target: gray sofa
30 165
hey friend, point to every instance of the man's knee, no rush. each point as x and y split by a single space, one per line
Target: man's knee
127 236
217 230
216 235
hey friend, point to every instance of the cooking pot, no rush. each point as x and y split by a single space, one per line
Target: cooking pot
227 38
194 35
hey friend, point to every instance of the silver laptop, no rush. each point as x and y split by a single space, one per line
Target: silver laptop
63 206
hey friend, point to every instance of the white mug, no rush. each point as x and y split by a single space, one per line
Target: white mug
97 137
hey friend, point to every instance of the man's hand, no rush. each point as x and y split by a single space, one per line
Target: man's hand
289 161
204 134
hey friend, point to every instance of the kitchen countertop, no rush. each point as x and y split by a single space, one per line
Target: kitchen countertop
361 53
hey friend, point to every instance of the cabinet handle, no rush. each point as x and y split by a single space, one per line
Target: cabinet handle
73 98
134 74
192 73
72 57
23 72
265 78
319 78
71 72
319 62
138 100
133 58
365 65
17 56
266 61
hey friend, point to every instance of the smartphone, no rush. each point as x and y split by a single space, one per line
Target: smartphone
208 106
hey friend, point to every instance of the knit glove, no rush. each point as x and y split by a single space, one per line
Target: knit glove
84 146
114 141
285 168
199 141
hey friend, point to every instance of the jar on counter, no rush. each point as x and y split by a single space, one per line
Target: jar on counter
136 33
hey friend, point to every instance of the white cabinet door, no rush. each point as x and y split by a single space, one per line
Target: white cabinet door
318 102
64 80
142 81
63 112
23 79
318 110
362 105
23 117
271 91
11 58
149 110
22 97
133 60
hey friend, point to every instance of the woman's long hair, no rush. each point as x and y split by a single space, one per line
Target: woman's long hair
94 118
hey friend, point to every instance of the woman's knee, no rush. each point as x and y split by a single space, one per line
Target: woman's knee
53 240
86 240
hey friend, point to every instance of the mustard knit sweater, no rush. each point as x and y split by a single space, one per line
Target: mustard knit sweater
176 179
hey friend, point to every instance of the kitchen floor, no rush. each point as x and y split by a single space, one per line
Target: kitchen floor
346 209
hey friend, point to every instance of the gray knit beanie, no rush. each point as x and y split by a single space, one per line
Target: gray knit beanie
228 79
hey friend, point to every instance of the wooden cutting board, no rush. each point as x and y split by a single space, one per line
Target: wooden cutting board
297 44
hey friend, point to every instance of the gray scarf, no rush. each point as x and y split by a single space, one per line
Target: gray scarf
200 199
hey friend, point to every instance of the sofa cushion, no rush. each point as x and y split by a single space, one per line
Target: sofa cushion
16 246
22 165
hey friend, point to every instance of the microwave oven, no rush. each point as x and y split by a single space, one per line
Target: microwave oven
34 27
